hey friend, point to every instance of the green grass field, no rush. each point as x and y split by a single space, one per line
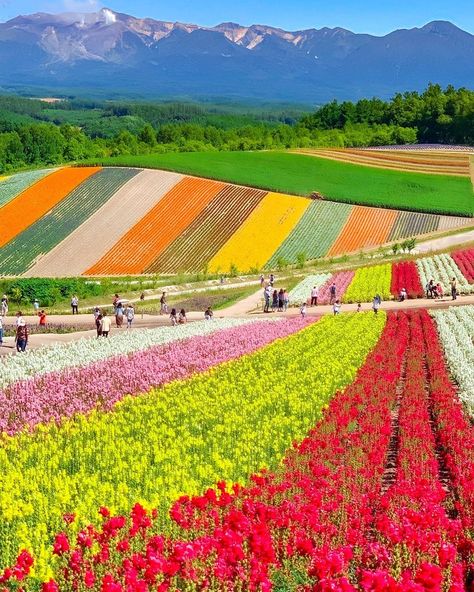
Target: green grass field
300 174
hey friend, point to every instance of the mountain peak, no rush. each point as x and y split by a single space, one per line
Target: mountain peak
442 28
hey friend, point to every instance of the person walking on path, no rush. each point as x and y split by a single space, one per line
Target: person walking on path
4 310
119 315
129 315
274 300
1 330
262 280
314 296
21 336
115 301
182 317
272 279
105 325
303 310
286 300
75 304
454 288
36 306
266 294
19 318
98 323
332 293
376 303
359 307
281 302
208 314
336 307
42 318
163 304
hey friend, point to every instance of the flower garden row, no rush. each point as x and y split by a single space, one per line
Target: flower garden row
50 216
389 279
378 495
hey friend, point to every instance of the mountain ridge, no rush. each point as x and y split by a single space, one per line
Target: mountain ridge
111 50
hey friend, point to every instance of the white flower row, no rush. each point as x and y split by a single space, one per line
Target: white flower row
442 268
86 351
456 330
302 291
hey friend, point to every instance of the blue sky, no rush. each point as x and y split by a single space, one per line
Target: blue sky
371 16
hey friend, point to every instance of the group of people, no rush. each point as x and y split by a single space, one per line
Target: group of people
103 322
436 290
275 299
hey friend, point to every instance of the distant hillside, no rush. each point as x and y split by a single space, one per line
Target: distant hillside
116 53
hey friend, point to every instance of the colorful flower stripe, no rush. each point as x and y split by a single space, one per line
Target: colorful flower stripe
442 268
408 224
214 226
366 227
36 201
314 234
302 291
47 232
178 439
257 239
369 281
405 275
87 351
464 259
455 431
14 185
342 279
59 395
274 534
158 228
417 537
456 330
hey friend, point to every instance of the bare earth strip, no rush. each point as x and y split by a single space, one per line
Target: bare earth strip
441 162
88 243
449 222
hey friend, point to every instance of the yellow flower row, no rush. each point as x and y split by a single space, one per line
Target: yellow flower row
223 424
369 281
261 234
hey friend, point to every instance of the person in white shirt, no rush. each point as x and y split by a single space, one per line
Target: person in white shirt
105 325
314 296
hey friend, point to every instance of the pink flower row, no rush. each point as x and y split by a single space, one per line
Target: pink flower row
342 279
54 396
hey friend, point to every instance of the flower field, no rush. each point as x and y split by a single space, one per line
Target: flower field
405 275
374 495
302 291
179 438
464 259
369 281
342 279
443 268
279 212
164 222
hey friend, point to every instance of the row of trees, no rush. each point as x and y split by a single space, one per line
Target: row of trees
93 131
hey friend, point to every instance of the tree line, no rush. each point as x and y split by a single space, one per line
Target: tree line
34 133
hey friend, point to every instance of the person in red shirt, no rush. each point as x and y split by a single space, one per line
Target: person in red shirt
42 318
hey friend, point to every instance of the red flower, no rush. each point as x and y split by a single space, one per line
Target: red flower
61 544
50 586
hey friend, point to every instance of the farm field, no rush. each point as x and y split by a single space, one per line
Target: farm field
442 162
339 181
159 474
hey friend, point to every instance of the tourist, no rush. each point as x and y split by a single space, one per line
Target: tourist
314 296
173 317
142 296
454 288
75 304
431 289
36 306
376 302
262 280
105 324
115 301
21 335
182 317
281 297
119 315
42 318
286 300
208 314
303 310
359 307
96 313
4 310
403 295
332 293
129 315
163 304
272 279
266 294
439 290
19 318
98 323
336 307
1 330
274 300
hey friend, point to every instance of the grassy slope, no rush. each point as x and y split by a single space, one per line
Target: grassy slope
300 174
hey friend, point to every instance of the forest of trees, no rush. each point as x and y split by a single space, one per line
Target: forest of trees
36 133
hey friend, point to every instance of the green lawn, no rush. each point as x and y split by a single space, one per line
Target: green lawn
301 174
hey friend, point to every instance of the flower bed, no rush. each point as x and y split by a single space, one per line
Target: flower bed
405 275
464 259
302 291
442 268
369 281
